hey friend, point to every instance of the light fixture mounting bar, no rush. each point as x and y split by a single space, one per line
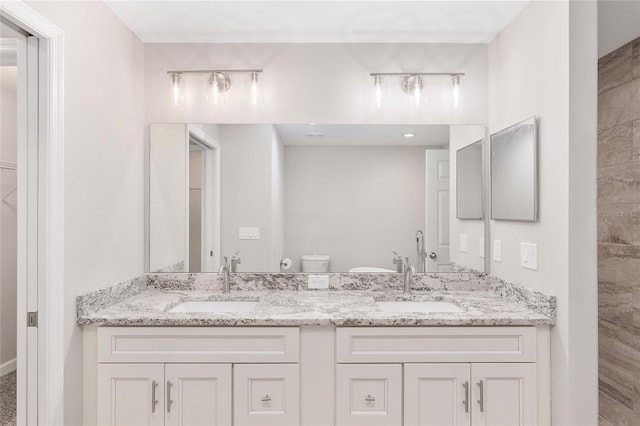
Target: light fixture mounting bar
408 74
212 71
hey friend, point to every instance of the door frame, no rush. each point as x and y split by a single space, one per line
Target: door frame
45 261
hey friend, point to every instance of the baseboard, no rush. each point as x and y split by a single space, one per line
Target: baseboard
8 367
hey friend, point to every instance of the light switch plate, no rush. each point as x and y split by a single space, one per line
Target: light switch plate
318 281
248 233
464 243
481 247
529 256
497 250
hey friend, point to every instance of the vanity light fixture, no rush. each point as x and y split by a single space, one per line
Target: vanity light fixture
219 83
412 83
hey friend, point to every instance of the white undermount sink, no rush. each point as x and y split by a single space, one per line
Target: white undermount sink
215 306
413 306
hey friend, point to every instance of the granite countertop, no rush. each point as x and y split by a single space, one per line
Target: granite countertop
151 307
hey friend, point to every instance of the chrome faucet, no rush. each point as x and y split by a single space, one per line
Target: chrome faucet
225 270
408 275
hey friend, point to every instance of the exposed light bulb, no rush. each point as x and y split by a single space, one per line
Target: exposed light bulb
455 91
417 92
377 83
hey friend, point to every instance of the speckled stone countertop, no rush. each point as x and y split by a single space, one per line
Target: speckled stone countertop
483 301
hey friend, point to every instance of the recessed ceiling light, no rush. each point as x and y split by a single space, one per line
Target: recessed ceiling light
409 135
315 134
312 124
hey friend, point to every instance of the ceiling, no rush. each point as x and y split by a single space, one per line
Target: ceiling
363 135
306 21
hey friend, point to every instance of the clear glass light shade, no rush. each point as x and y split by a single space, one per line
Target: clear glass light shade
253 92
219 84
379 93
413 86
176 89
455 90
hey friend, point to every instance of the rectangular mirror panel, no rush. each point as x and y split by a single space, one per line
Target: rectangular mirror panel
514 193
306 198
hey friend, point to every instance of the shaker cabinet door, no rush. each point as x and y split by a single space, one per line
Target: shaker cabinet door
197 394
504 394
437 395
130 394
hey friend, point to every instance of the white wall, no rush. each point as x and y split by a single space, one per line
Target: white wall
8 218
618 24
551 74
323 83
246 195
461 136
356 204
104 186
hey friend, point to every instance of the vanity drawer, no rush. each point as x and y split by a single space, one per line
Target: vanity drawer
266 395
435 344
198 344
368 395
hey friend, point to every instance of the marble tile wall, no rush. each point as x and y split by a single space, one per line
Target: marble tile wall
619 235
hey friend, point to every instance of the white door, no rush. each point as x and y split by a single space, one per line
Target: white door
131 394
437 395
368 394
504 394
437 210
20 51
266 395
198 394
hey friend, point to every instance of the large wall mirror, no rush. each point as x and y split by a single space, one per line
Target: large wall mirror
308 198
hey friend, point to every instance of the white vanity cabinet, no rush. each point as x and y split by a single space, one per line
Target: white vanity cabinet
470 394
197 376
437 376
317 376
170 394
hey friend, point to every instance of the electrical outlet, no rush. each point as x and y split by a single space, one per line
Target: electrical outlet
249 233
318 281
464 243
497 250
529 256
481 247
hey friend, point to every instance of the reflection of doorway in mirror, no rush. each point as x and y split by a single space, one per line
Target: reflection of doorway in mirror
203 202
437 210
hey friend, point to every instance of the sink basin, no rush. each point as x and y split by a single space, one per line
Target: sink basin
412 306
215 306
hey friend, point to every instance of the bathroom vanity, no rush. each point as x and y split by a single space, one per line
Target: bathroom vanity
275 353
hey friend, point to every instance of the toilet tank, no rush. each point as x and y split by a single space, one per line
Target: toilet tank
314 262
